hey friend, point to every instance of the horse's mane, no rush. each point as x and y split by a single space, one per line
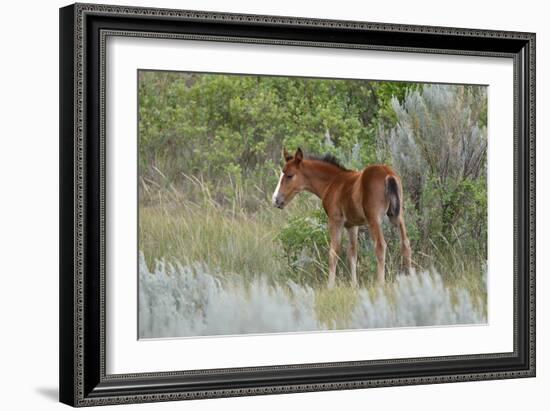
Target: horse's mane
327 158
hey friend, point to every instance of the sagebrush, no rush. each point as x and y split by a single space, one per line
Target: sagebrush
177 300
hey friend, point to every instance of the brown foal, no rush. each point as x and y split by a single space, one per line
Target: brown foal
350 199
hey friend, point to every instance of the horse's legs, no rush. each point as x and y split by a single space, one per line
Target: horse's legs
352 254
405 243
335 229
379 247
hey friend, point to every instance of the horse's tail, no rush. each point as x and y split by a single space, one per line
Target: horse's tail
392 195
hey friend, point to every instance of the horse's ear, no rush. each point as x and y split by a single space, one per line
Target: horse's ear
286 155
299 156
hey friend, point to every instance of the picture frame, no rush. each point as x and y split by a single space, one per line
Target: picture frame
84 380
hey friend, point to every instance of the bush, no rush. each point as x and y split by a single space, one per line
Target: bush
305 242
439 147
227 126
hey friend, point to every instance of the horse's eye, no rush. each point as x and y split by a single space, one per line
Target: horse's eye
289 176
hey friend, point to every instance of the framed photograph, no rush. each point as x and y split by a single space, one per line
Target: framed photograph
262 204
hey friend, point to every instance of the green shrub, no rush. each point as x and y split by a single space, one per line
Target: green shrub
304 240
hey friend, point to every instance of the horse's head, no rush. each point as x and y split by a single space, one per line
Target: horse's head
292 180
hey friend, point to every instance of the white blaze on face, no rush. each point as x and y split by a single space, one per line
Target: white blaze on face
276 192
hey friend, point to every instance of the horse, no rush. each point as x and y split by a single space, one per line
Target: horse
350 199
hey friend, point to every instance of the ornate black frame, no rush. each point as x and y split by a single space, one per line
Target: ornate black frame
83 30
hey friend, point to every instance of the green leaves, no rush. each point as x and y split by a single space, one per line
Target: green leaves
305 243
208 124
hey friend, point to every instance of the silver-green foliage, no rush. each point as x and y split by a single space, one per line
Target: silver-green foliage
182 301
439 147
440 130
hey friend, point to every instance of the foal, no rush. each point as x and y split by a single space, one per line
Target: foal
350 199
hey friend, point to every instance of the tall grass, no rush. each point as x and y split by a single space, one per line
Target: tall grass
188 223
235 233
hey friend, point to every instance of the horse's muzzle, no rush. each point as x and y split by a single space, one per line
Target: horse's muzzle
279 203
